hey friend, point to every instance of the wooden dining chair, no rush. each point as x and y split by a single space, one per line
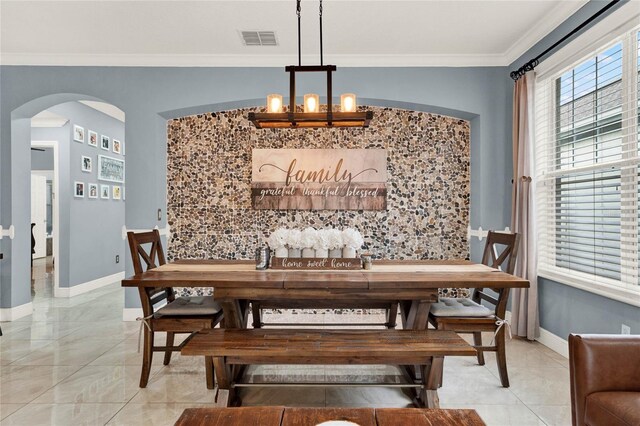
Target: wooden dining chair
469 315
178 316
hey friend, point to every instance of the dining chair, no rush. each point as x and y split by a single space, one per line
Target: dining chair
470 316
178 316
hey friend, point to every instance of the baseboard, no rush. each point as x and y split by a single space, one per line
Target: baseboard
553 342
88 286
17 312
130 314
550 340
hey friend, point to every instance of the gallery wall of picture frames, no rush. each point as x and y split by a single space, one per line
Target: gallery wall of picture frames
109 169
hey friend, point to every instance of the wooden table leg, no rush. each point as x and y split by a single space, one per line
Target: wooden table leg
257 317
233 314
418 318
416 313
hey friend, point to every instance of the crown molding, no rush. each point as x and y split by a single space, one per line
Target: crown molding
563 11
180 60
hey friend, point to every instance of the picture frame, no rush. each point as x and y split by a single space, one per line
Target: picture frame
110 169
92 140
104 192
116 192
78 133
78 189
105 142
93 190
86 164
117 146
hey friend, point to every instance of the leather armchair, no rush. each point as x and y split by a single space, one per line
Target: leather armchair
605 380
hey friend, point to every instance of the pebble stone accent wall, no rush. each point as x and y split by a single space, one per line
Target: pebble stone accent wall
209 177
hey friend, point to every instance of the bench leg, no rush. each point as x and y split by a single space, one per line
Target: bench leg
430 382
167 353
226 394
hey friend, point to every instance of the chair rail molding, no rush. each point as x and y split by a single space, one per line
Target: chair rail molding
11 232
163 231
481 233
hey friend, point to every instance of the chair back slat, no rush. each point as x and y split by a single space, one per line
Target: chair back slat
500 252
495 258
152 258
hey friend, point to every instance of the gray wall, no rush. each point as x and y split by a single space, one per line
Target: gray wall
565 309
149 96
90 229
42 160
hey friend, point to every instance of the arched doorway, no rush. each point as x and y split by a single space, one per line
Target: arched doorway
89 134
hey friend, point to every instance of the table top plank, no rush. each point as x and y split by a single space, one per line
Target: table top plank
315 416
387 275
427 417
240 416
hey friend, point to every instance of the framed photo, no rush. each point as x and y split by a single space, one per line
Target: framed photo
78 189
116 193
104 142
78 134
86 164
104 192
117 146
93 190
110 169
93 138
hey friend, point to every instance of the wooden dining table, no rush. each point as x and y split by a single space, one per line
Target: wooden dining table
413 284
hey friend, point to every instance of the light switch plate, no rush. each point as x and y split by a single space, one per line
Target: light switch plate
626 329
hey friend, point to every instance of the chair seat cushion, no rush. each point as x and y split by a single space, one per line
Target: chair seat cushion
612 409
462 307
196 305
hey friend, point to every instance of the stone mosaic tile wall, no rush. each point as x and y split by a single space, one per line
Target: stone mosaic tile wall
209 176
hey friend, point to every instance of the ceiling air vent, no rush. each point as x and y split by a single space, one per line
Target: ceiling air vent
259 38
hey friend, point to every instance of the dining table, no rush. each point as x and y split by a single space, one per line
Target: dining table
413 284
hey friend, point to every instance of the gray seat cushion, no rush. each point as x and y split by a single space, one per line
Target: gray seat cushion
196 305
463 307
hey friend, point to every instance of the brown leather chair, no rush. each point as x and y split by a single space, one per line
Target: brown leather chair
605 379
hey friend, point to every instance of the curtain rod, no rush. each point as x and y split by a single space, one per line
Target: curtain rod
529 66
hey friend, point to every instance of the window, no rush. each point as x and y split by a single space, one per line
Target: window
588 169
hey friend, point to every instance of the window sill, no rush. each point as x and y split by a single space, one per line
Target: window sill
619 294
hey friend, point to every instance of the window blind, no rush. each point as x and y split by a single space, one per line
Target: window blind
587 166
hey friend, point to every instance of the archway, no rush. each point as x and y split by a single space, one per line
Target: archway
16 269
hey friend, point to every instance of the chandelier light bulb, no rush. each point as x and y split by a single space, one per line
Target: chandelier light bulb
311 103
274 103
348 102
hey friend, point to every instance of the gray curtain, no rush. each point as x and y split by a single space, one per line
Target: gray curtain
524 302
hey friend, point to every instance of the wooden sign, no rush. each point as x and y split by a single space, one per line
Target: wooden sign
315 263
319 179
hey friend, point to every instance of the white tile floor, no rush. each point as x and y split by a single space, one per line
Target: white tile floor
74 362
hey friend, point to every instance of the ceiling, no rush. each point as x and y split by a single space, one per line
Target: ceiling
207 32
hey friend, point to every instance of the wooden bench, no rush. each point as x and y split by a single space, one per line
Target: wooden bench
232 349
290 416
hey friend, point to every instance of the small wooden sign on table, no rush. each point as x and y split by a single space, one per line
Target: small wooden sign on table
316 263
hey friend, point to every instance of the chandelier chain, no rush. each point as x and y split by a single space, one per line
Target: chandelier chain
298 12
321 56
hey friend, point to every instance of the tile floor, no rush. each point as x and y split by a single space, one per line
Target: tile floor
74 362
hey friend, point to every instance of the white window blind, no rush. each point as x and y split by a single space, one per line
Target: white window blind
588 168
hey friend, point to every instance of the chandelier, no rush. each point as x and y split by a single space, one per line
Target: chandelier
310 116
